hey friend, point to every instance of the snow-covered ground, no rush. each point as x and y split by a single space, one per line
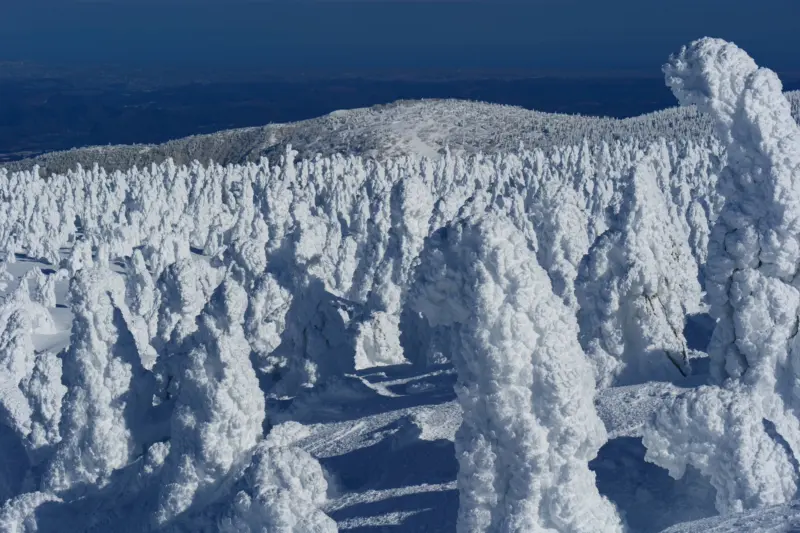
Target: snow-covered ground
430 340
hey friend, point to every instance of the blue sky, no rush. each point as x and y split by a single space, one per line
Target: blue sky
537 34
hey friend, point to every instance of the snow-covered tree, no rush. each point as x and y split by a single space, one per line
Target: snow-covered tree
754 252
31 382
635 287
98 370
184 287
42 287
286 488
219 408
45 392
719 431
268 305
18 515
529 426
140 291
17 358
751 276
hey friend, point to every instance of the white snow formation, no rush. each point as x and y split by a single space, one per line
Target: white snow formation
529 427
178 339
744 434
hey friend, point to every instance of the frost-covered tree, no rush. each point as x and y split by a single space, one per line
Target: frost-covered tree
31 382
219 408
142 298
559 204
104 379
635 287
286 488
529 426
754 252
751 277
17 358
18 515
43 286
265 320
140 291
720 432
184 288
45 392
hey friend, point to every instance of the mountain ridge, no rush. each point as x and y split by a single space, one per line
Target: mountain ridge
404 127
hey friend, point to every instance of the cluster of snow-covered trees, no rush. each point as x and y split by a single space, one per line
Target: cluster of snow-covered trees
335 239
542 274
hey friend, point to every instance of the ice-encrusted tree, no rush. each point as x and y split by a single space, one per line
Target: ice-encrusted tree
141 293
45 392
265 320
635 287
16 357
184 289
18 515
143 299
43 286
219 408
721 432
754 252
286 488
30 387
99 371
751 276
529 426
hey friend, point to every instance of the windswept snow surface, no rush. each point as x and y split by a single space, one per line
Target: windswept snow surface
494 338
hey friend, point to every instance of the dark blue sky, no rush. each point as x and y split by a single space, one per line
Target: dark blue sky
537 34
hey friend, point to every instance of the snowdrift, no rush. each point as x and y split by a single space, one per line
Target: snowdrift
164 329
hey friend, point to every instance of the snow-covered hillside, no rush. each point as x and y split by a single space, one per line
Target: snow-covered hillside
498 338
410 127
